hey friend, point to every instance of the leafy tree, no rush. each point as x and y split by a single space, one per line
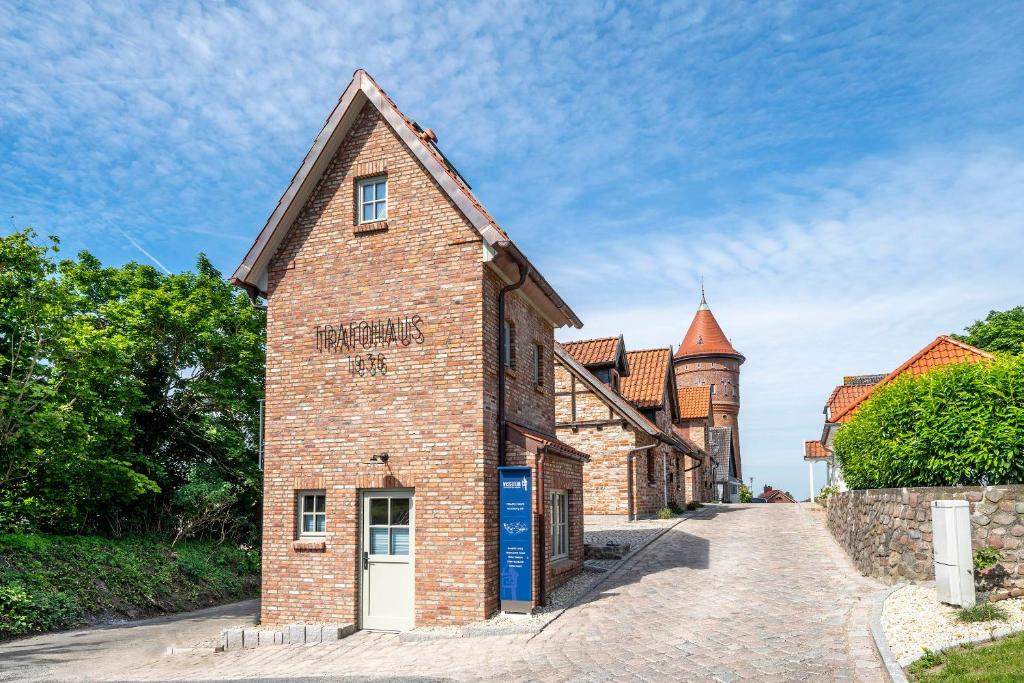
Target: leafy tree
958 425
119 388
1000 331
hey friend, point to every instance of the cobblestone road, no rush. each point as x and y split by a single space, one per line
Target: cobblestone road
738 593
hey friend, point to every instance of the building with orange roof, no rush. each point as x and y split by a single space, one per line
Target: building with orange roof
774 495
622 406
696 418
706 358
844 401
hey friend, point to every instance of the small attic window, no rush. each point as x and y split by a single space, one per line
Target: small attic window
373 199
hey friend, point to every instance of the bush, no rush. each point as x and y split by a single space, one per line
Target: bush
694 505
49 582
983 611
665 513
985 558
957 425
745 495
824 494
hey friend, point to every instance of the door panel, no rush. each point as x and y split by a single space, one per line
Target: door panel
387 560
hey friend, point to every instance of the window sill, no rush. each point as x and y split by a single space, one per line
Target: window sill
309 546
510 372
561 565
373 226
539 388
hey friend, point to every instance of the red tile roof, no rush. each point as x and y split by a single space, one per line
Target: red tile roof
705 337
776 496
943 351
594 351
844 396
694 402
814 449
644 387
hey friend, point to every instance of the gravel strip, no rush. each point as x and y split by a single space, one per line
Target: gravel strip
914 620
633 533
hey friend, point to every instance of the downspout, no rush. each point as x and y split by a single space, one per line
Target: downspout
630 516
540 528
524 271
253 293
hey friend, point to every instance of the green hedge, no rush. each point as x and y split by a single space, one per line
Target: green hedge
958 425
51 583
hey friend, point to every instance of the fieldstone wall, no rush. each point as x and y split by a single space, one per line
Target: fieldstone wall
888 532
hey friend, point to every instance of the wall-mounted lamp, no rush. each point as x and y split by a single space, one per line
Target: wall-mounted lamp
379 459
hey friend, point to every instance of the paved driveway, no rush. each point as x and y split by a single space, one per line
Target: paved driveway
754 592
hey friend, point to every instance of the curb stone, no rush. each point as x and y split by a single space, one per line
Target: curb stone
892 667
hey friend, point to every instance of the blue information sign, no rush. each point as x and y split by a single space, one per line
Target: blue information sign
515 538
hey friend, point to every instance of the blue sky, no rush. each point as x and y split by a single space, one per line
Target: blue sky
847 177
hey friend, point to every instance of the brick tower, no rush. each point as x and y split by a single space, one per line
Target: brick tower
707 358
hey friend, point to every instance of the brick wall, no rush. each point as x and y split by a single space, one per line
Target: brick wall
433 411
605 476
888 532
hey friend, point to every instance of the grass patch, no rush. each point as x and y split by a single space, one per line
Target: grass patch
1001 662
983 611
50 583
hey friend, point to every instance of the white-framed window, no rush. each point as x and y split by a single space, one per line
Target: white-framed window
538 368
389 526
559 524
508 351
312 509
373 199
712 389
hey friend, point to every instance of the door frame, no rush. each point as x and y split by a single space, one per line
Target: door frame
363 531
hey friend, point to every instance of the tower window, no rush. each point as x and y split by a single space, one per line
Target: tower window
712 389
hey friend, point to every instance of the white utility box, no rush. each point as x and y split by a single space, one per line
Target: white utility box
954 561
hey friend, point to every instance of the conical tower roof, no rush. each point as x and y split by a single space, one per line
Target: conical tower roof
705 336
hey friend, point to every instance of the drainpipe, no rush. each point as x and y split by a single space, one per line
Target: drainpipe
540 530
630 516
253 296
524 271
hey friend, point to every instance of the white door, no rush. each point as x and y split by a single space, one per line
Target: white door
387 561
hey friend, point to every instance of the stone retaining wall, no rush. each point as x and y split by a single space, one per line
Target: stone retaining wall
888 532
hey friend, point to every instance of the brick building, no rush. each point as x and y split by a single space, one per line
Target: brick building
696 418
706 358
388 388
620 407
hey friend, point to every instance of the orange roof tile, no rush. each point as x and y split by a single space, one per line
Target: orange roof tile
814 449
644 387
844 396
594 351
943 351
694 402
705 337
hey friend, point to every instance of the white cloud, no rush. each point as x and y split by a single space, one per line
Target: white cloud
854 275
